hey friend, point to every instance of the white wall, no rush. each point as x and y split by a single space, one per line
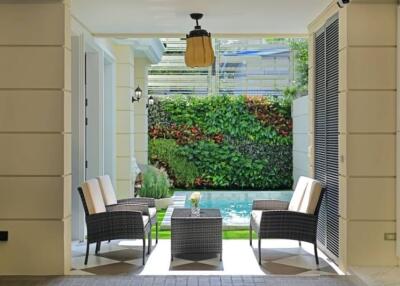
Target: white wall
35 137
300 137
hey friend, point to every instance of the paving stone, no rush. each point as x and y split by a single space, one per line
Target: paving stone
175 281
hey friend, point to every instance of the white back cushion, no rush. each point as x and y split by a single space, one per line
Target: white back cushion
107 190
94 199
298 194
306 196
311 197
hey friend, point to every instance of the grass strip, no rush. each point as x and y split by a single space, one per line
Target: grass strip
228 234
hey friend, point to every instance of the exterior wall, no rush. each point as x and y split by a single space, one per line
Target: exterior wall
140 111
125 120
367 130
300 137
367 126
35 137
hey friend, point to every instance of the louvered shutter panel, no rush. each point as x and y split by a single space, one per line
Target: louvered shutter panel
326 132
332 136
320 128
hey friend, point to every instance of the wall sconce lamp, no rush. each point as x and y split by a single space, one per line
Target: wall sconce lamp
342 3
138 94
150 101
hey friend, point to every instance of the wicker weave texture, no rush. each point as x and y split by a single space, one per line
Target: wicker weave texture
270 205
286 225
147 201
119 222
196 235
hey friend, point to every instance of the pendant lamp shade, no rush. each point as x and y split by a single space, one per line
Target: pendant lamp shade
199 50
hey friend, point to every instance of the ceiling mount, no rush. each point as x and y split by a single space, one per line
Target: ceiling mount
198 31
196 17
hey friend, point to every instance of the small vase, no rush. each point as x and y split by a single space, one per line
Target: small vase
195 210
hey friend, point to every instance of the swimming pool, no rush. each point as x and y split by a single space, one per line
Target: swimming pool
235 206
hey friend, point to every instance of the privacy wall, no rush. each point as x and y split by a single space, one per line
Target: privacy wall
300 137
223 141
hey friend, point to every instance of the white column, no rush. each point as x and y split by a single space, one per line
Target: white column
140 114
125 120
367 133
35 137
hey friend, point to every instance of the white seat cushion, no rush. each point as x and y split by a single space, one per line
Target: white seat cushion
93 198
256 215
145 220
152 212
107 190
306 196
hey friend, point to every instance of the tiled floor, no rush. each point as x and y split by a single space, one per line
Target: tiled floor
177 281
378 276
280 257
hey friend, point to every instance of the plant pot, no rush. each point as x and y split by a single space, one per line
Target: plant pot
163 203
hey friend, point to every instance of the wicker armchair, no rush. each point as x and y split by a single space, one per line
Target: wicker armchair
146 205
296 220
115 222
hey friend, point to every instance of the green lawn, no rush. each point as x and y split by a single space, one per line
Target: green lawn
228 234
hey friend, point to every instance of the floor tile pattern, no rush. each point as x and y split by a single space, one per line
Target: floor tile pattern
177 281
125 258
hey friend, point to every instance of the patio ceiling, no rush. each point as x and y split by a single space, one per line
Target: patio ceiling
133 18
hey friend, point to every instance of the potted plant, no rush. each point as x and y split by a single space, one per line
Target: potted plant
155 184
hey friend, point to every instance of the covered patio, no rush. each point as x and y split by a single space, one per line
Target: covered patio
76 99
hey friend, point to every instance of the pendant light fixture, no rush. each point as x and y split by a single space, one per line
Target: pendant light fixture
199 50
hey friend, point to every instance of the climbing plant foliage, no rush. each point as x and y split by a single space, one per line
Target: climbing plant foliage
223 142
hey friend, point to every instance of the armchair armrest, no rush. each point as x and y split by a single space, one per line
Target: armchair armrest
270 205
114 225
148 201
288 225
143 208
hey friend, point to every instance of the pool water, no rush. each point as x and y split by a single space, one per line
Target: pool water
235 206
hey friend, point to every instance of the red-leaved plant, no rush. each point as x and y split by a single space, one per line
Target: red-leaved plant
267 113
182 134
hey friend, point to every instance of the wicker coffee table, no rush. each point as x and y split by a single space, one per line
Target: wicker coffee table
196 235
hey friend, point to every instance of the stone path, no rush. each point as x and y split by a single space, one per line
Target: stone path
178 202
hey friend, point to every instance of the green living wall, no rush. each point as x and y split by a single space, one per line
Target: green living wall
222 142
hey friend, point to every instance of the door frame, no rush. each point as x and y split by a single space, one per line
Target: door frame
398 138
82 43
78 135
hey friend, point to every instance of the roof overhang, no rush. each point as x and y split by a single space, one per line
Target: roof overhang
151 49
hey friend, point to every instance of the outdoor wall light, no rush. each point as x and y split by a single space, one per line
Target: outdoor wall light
138 95
199 50
342 3
150 101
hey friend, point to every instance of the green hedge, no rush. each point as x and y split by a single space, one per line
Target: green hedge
164 152
223 141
